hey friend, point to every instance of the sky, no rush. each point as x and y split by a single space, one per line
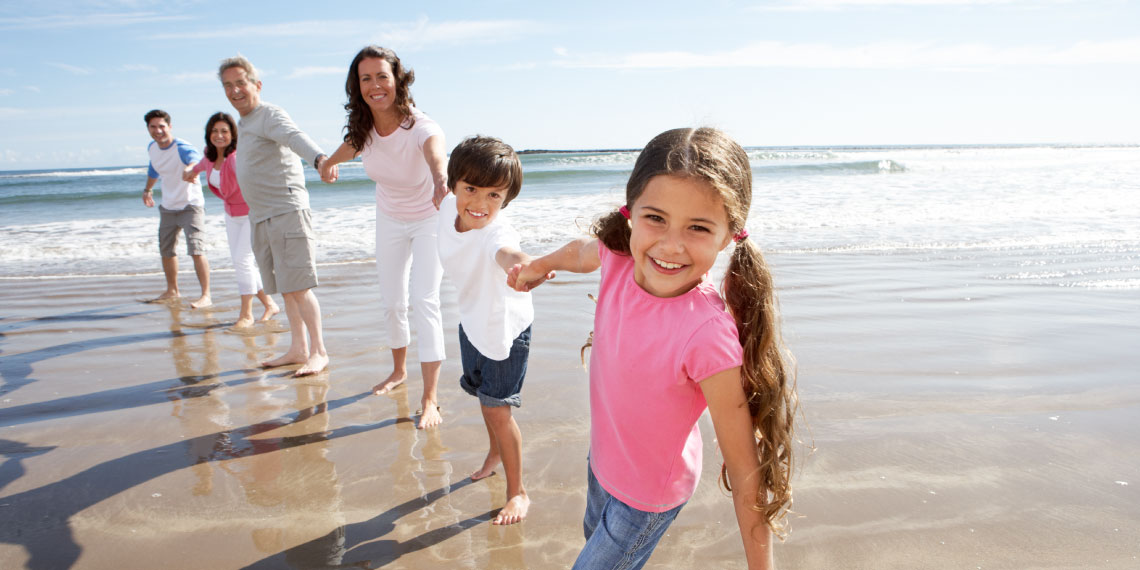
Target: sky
76 77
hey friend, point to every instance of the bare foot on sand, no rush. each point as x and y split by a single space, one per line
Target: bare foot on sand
394 379
429 417
203 301
286 359
269 312
488 467
167 296
315 364
243 323
514 511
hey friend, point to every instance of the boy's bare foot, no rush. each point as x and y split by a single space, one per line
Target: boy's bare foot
243 323
203 301
489 464
429 416
394 379
315 364
514 511
167 296
269 312
286 359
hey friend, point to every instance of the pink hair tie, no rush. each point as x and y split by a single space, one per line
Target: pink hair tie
624 212
740 235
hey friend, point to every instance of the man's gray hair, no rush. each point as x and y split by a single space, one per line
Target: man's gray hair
238 61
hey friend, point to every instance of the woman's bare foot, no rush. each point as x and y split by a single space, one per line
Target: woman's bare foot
203 301
514 511
270 310
315 364
429 417
286 359
166 296
394 379
243 323
488 467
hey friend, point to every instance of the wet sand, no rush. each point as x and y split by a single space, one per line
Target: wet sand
959 422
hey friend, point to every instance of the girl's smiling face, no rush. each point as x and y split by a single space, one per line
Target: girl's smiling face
220 136
678 226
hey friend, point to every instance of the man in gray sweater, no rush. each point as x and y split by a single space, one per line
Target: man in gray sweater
272 181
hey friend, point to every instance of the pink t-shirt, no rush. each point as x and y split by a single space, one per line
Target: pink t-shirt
396 163
648 356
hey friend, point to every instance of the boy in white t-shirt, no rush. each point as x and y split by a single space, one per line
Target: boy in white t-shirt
477 247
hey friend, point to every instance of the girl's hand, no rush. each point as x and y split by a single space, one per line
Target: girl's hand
188 174
440 192
525 277
329 171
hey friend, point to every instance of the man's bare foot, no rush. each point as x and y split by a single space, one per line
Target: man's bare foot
286 359
514 511
203 301
394 379
315 364
487 469
271 310
429 417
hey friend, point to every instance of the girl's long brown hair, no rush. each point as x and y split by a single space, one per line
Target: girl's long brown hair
358 126
768 373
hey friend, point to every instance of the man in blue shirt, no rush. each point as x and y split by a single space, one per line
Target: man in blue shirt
182 208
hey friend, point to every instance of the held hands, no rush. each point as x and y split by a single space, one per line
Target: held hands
330 172
525 277
188 174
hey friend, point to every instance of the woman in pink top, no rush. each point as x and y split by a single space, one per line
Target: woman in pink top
221 141
664 348
404 152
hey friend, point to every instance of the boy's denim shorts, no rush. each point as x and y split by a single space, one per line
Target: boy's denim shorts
495 382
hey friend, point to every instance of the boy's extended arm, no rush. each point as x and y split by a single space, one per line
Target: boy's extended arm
728 407
578 256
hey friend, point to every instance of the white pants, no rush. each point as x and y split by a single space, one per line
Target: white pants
407 262
241 253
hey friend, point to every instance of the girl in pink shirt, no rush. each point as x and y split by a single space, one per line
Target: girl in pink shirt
665 348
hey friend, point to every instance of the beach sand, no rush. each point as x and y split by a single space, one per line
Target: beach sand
959 421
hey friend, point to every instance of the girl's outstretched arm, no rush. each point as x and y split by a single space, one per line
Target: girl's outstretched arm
733 424
578 256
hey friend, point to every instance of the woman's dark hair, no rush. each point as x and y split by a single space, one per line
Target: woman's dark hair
211 152
359 123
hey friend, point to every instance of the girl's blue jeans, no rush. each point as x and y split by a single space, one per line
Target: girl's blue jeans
618 536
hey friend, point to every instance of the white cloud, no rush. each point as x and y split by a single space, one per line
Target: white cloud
405 35
87 20
311 71
879 55
32 88
71 68
4 91
195 77
831 5
9 112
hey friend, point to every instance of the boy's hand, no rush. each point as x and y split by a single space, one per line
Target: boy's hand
329 172
188 174
523 277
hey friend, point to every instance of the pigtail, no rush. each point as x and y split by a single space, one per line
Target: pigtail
768 377
612 230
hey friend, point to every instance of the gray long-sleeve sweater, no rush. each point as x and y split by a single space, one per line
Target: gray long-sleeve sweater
269 170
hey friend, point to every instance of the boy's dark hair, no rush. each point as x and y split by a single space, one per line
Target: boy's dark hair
486 162
156 114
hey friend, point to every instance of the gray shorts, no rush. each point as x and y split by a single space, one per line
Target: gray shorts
285 252
191 220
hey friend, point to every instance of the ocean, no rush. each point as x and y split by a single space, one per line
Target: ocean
1059 215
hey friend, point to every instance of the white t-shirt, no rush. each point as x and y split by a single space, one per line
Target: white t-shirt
167 164
491 313
404 184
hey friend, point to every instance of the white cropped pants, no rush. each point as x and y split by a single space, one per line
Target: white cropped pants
241 254
407 264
